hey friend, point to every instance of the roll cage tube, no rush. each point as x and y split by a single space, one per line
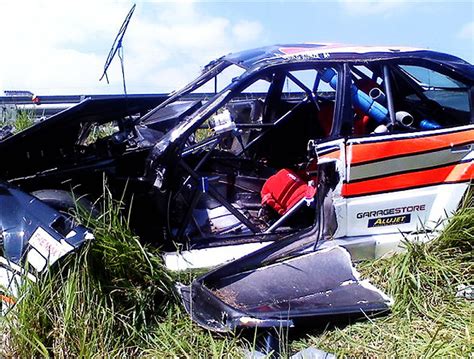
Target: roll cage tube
306 90
388 94
342 120
271 125
207 187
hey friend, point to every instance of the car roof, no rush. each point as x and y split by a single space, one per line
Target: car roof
297 53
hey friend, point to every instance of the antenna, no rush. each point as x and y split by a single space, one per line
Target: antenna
117 48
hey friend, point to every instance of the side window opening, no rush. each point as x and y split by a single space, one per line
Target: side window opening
283 107
302 108
433 99
423 99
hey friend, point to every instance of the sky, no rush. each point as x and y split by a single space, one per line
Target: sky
59 48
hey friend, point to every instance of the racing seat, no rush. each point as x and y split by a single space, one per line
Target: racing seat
286 192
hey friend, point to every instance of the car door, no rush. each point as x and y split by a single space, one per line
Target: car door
412 180
406 182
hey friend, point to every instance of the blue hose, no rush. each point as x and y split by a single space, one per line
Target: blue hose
429 124
367 104
359 98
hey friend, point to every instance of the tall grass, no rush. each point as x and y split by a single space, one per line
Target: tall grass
24 119
97 303
427 318
116 299
17 117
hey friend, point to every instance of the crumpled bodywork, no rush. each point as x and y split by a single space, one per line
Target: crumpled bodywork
33 237
289 281
380 140
317 285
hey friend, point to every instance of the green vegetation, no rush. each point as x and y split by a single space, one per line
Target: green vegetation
101 302
427 320
98 132
116 299
23 120
18 118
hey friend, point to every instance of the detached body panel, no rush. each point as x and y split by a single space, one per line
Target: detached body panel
33 238
319 285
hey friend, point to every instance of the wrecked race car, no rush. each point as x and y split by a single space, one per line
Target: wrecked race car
230 163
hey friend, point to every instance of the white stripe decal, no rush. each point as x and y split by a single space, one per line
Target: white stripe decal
406 163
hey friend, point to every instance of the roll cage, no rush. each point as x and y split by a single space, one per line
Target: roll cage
342 125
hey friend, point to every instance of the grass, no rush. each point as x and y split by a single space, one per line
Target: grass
19 118
100 131
427 319
115 299
24 119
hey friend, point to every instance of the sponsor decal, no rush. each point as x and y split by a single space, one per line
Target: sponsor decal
391 211
46 246
309 56
7 300
389 221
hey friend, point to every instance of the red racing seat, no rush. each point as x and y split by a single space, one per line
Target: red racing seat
284 190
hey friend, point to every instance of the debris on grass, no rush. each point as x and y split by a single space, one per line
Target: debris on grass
96 303
117 304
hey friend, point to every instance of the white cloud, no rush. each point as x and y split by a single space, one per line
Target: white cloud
60 47
467 31
245 31
372 7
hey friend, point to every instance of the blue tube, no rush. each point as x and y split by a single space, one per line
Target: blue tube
329 76
429 124
359 98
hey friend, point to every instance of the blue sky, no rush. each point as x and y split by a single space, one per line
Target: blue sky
59 47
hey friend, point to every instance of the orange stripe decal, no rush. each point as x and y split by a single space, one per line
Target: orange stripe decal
334 154
7 300
365 152
453 173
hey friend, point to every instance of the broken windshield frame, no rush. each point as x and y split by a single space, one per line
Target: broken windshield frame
201 113
212 70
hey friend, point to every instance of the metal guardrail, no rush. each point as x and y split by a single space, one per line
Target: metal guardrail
63 99
46 106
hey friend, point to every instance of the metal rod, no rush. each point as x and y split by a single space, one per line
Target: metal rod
189 213
287 114
287 215
197 146
220 198
388 93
